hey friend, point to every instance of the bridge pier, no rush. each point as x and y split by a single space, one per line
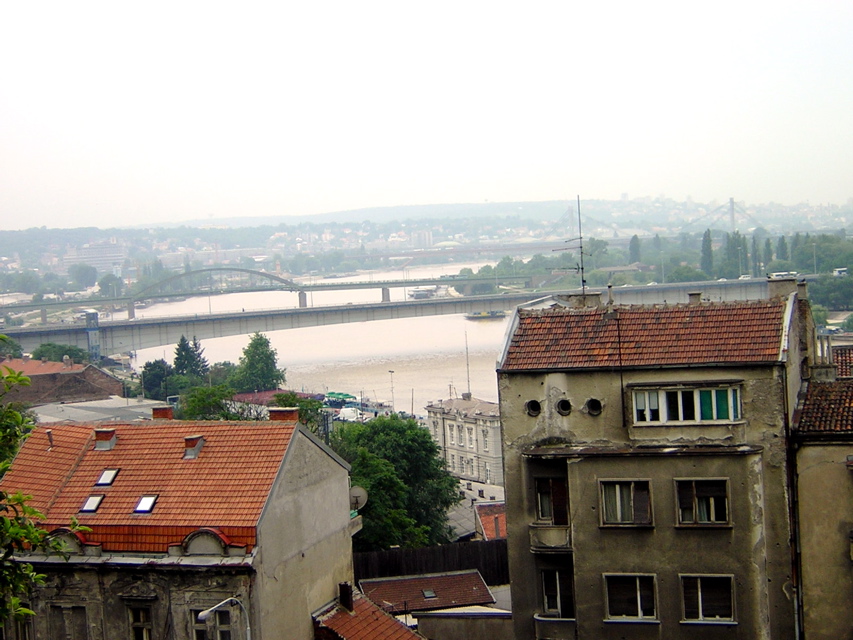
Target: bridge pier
386 294
43 315
303 300
131 310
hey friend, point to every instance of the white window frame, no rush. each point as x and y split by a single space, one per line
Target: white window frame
486 440
470 437
652 406
452 433
92 504
640 617
146 503
702 618
107 477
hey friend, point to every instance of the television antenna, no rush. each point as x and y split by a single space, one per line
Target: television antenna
579 267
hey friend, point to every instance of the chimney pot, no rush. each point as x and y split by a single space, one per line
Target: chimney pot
284 414
105 439
694 297
345 591
162 413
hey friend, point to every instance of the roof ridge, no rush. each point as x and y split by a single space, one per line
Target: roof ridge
72 469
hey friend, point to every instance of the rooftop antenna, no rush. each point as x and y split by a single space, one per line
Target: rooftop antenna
579 268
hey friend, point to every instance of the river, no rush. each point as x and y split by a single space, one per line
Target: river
410 362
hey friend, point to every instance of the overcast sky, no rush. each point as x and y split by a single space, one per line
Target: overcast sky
119 113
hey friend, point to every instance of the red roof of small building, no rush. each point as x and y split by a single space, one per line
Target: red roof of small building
365 622
413 593
744 332
842 355
492 519
827 408
30 367
225 487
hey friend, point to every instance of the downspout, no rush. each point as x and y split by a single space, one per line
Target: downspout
793 511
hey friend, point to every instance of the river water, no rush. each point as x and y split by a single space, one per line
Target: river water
431 358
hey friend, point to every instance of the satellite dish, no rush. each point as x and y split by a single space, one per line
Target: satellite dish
357 498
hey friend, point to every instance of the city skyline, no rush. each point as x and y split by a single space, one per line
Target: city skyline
118 115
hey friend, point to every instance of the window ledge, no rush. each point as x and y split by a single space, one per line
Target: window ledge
626 525
705 525
723 623
551 618
700 423
632 620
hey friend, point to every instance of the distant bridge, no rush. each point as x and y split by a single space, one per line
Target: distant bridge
124 336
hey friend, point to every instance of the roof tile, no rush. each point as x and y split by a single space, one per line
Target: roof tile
407 593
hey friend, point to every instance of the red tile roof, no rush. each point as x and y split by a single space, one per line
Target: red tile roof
406 593
32 367
745 332
365 622
225 487
843 358
492 520
827 408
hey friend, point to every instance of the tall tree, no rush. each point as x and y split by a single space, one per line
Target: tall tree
189 358
706 262
634 249
430 489
258 367
18 521
83 275
155 376
782 249
768 252
110 286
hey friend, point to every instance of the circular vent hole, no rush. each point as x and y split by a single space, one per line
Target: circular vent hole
533 407
564 407
593 406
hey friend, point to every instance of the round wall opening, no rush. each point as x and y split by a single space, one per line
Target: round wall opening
533 407
593 406
564 407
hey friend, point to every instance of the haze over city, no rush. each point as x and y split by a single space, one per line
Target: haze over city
114 115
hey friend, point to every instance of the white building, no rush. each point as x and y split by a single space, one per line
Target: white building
468 432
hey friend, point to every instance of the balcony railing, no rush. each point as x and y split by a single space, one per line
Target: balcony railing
549 537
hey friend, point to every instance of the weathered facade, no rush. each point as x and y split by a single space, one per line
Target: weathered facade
61 382
181 516
647 468
468 432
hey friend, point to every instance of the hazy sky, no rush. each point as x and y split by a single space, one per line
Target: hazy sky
116 113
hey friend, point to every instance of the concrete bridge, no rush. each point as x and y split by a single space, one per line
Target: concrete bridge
109 338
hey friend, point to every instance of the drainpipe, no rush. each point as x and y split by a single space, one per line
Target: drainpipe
793 512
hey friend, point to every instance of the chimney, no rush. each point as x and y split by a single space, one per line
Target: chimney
66 361
781 287
694 297
25 357
579 300
162 413
345 597
105 439
466 395
43 359
49 433
192 446
284 414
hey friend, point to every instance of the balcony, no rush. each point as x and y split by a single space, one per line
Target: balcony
554 628
550 538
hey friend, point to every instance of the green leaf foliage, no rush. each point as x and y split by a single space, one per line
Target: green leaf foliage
56 352
428 489
258 368
310 410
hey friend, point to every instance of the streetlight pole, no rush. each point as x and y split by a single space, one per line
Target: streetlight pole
204 615
391 371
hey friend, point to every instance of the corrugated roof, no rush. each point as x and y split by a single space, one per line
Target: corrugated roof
225 487
744 332
412 593
827 408
365 622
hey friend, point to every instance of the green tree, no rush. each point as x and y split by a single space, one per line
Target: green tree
634 249
706 262
782 249
83 275
220 372
820 314
155 379
110 286
258 368
768 253
430 489
19 530
189 358
310 409
9 348
207 403
56 352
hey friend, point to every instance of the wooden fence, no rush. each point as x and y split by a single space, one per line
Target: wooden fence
489 557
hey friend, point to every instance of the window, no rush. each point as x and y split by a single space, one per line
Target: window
488 473
145 504
485 439
552 501
199 629
140 623
707 598
451 431
470 437
630 597
558 596
687 405
428 593
92 503
452 462
107 477
460 436
702 502
626 502
223 624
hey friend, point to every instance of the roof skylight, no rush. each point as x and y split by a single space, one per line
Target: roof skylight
429 593
92 503
107 477
146 504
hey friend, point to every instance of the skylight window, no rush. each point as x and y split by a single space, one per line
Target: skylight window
92 503
429 593
146 504
107 477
